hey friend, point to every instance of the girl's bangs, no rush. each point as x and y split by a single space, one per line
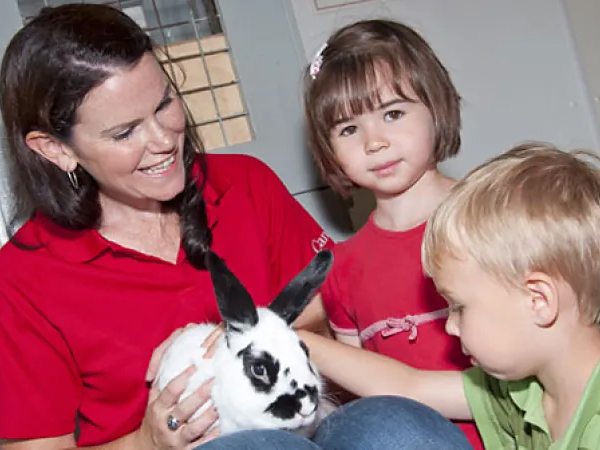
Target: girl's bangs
353 87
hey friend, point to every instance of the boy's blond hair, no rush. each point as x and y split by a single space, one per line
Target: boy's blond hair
533 208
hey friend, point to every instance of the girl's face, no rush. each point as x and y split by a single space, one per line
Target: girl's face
129 136
386 150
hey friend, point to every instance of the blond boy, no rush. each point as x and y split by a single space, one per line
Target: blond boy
515 250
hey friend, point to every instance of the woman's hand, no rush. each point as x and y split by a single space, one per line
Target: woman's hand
155 433
212 341
159 352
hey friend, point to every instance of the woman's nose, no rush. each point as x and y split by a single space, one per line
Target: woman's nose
160 138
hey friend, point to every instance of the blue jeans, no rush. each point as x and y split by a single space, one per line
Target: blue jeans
374 423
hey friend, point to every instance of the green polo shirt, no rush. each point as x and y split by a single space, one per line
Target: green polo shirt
509 414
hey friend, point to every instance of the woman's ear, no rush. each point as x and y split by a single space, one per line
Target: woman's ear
543 298
51 148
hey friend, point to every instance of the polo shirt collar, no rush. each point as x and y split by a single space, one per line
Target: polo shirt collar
79 246
528 396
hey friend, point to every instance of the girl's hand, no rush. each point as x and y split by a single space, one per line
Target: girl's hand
154 432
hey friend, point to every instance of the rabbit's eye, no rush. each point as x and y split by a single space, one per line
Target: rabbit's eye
258 370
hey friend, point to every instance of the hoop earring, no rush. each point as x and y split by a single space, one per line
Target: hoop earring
72 176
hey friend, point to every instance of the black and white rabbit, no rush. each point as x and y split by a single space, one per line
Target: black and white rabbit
263 377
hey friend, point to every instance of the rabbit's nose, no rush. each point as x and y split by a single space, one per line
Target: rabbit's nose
309 413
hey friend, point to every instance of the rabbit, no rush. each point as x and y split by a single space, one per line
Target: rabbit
263 377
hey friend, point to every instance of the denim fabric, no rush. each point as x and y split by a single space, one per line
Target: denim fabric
374 423
386 423
260 440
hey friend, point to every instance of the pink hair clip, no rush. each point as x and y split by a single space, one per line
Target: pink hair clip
317 62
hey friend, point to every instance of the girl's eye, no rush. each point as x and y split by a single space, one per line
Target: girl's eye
123 134
393 115
348 131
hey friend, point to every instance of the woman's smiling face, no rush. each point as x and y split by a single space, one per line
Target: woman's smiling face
129 136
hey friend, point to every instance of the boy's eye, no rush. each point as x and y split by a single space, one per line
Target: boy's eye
393 115
457 309
123 134
348 131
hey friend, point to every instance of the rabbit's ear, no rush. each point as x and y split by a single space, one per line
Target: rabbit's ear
297 294
234 301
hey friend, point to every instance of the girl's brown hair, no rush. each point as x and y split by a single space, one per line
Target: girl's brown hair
347 85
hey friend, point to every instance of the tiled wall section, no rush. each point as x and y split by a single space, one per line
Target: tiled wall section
204 73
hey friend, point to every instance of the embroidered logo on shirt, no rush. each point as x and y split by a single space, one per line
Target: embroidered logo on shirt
319 243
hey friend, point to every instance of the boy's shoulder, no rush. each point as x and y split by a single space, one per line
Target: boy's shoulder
509 414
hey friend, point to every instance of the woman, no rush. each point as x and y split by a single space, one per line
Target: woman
125 205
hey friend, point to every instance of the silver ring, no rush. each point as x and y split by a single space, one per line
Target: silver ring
173 423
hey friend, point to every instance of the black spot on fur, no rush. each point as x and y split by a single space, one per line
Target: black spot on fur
294 384
288 405
313 393
261 369
286 372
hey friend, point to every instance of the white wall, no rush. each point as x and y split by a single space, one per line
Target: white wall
584 18
514 63
10 20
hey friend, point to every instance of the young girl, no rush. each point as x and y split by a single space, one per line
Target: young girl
382 112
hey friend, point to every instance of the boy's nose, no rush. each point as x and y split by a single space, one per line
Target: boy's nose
451 327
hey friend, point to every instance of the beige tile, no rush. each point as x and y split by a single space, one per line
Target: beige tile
201 106
211 136
189 74
214 43
237 130
229 100
220 68
180 49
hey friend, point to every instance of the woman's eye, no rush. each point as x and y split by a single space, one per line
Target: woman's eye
166 102
123 134
348 131
393 115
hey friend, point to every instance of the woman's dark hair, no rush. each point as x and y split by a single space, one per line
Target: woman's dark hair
49 67
355 58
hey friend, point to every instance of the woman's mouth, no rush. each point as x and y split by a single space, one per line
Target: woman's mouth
160 168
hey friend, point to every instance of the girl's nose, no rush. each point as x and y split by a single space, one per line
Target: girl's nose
375 142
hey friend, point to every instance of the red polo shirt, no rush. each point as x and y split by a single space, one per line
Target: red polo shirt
80 316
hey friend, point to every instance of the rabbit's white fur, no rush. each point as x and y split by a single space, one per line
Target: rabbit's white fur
239 404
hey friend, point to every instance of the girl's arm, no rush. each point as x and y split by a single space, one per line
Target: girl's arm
366 373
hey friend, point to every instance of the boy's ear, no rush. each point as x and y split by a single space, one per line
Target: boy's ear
543 298
51 148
